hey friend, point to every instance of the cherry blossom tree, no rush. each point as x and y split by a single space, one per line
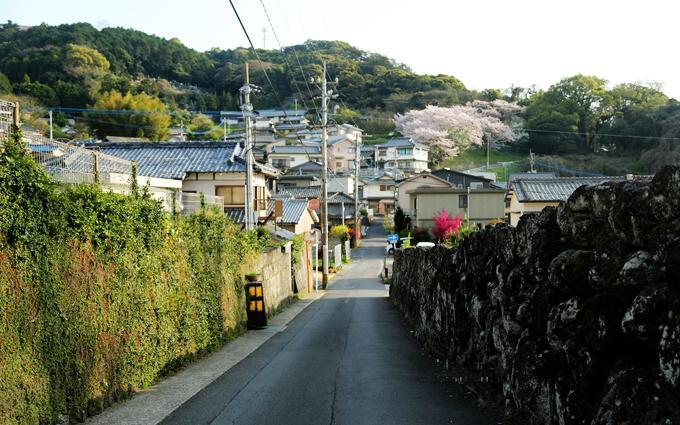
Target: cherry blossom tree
458 127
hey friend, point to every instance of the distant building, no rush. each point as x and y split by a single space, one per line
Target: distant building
379 192
461 179
286 157
479 206
404 187
400 153
530 193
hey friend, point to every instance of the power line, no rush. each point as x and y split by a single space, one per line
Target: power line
532 130
304 76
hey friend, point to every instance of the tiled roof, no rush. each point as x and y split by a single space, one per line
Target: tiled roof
332 140
340 197
306 166
309 150
235 214
301 192
446 174
293 209
315 192
174 160
553 189
514 176
398 142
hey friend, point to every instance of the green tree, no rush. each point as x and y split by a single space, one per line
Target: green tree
86 65
147 117
5 85
491 94
203 127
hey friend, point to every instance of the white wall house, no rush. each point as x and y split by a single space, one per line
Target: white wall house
286 157
211 168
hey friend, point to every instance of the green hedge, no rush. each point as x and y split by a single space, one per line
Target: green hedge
100 294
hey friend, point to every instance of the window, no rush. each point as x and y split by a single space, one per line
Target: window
233 195
279 163
462 201
476 185
405 151
338 164
383 188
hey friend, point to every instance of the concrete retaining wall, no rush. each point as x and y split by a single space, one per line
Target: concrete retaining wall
275 271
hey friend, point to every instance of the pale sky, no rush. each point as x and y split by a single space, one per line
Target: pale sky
485 43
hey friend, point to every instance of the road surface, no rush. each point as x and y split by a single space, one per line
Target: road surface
348 358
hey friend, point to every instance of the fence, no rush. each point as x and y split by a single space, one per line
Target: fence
347 250
74 164
7 120
192 202
337 256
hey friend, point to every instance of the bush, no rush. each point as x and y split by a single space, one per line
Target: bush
101 294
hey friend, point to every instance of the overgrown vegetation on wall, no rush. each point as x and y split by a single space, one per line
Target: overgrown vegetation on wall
100 294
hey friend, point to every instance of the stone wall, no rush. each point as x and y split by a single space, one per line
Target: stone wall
573 316
275 271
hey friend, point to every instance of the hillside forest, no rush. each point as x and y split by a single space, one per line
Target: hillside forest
76 69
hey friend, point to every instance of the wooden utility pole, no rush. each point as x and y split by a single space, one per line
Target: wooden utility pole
247 109
324 177
357 215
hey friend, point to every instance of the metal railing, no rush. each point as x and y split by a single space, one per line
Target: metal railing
74 164
192 202
7 119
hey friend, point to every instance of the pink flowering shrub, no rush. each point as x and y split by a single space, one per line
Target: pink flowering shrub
445 225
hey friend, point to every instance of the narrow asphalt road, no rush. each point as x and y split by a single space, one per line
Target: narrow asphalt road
348 359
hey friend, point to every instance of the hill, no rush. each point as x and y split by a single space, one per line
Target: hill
69 65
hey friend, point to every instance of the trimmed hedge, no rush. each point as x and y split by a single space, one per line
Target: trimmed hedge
101 294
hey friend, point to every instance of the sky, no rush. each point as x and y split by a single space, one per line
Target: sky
484 43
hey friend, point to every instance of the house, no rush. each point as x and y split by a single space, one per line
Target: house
341 151
285 157
379 191
211 168
414 182
339 203
480 206
529 194
462 180
297 216
401 153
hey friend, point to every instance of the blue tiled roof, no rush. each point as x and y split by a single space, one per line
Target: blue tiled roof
398 142
293 209
553 189
235 214
309 150
315 192
174 160
307 166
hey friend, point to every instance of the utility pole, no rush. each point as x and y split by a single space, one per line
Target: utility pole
324 177
532 160
488 152
357 215
181 130
247 109
342 207
224 123
50 125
